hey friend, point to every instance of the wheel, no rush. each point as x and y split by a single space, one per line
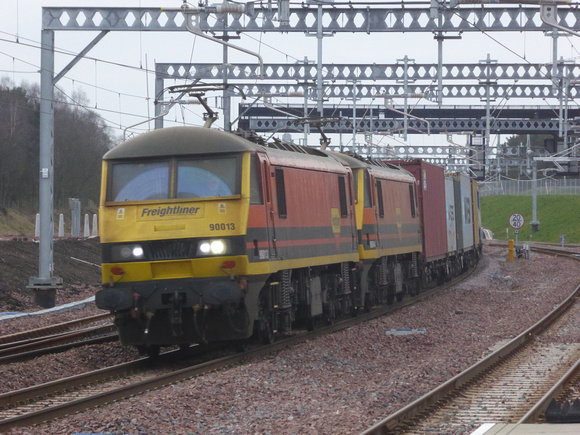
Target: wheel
267 330
151 351
390 295
330 314
368 303
311 323
242 345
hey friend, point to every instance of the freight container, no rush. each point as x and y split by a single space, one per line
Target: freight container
458 207
477 236
450 207
466 206
431 202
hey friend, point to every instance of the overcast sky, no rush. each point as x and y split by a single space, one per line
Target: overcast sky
115 80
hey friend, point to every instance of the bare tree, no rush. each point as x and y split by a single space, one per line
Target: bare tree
19 120
81 139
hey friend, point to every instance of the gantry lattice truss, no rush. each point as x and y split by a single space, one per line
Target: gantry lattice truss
373 80
271 16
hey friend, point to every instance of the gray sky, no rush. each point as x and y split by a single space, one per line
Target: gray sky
116 83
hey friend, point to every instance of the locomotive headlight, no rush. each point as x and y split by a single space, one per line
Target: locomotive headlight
137 252
217 247
212 247
127 253
205 247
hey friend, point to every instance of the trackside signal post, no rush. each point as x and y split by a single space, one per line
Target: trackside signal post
516 221
511 251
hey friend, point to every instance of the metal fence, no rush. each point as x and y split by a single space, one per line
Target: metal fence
546 186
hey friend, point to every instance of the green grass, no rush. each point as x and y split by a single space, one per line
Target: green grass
557 214
13 222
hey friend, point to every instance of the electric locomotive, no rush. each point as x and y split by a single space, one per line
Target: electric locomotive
207 237
389 231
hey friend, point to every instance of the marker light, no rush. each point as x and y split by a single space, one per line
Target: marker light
230 264
117 271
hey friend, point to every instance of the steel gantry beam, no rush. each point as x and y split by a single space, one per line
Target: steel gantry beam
370 72
266 17
379 119
384 80
394 90
375 82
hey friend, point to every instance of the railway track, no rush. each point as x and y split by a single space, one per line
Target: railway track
546 248
41 403
57 338
40 333
514 384
21 351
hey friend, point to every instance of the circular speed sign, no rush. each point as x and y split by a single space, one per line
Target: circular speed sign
516 221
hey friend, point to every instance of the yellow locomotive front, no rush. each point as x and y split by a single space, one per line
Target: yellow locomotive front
173 217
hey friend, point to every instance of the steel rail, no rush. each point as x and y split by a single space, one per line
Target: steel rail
52 388
32 341
533 415
449 388
52 329
548 248
56 339
98 335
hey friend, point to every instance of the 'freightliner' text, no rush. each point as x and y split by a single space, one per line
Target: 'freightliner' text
176 210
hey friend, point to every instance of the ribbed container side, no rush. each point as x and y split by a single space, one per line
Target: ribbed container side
431 201
450 206
476 213
466 201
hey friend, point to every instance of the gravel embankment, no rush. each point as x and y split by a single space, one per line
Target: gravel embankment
338 384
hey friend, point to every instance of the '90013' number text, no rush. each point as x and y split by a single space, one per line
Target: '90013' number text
222 227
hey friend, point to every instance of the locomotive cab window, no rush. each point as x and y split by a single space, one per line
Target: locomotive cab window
367 191
380 199
255 185
206 178
170 179
412 196
281 193
139 181
342 197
